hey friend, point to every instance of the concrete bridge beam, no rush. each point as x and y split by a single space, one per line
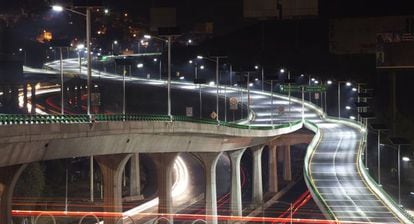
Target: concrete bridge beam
273 177
257 193
112 167
210 162
8 179
236 200
164 163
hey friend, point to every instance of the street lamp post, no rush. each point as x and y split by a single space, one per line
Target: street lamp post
399 142
379 128
168 40
88 47
217 61
339 95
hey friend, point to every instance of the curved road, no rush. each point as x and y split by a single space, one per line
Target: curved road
333 165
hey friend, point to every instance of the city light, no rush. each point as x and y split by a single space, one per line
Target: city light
329 82
354 89
106 11
250 84
316 81
405 159
190 41
80 46
256 79
190 61
202 67
57 8
282 70
146 36
211 83
256 67
140 65
182 78
200 57
348 84
155 59
348 107
352 117
313 79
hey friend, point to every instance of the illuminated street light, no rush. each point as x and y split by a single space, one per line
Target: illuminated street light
313 79
57 8
181 77
140 65
354 89
352 117
202 67
256 67
190 41
329 82
316 82
190 61
146 36
348 84
250 84
106 11
348 107
282 70
155 59
200 57
405 159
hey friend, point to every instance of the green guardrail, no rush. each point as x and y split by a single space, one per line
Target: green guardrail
17 119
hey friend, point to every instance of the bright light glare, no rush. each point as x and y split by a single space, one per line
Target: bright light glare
352 117
140 65
57 8
250 84
211 83
115 42
155 59
329 82
282 70
190 61
348 107
200 57
256 67
190 41
316 81
182 78
80 46
313 79
405 159
147 36
256 79
106 11
202 67
354 89
348 84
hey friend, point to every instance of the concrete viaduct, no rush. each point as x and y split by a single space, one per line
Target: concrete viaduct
113 143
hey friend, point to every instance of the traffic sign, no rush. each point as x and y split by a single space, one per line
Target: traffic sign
297 88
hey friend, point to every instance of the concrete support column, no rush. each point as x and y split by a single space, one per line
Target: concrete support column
236 200
210 163
257 193
111 167
33 99
134 179
165 162
273 181
287 170
8 179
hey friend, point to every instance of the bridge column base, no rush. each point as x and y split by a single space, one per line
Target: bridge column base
257 194
236 200
210 162
164 163
273 181
8 179
111 167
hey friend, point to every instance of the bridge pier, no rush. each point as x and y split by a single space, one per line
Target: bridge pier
287 163
134 176
164 163
273 177
8 179
112 167
236 200
210 162
257 193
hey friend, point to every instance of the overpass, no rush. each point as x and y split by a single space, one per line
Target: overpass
333 159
